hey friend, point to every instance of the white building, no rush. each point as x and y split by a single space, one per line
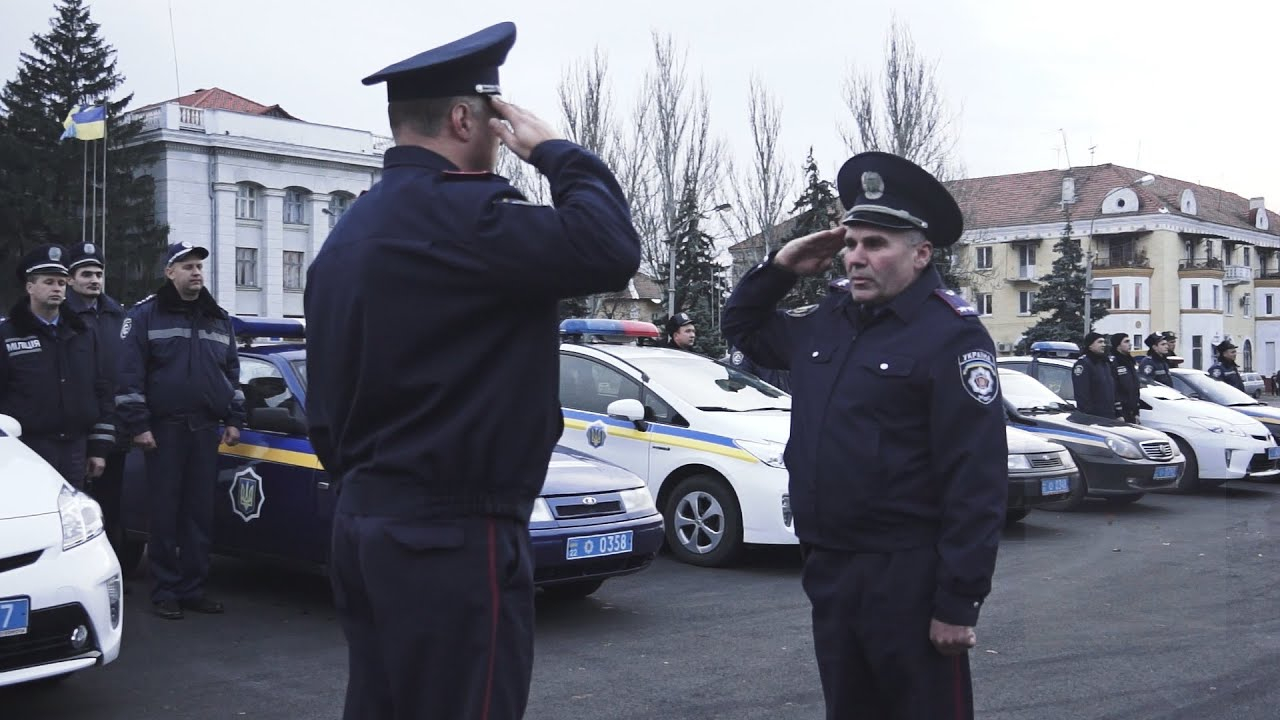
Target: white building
256 186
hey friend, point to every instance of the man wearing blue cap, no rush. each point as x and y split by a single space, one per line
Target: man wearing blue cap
897 433
180 380
52 380
440 452
681 332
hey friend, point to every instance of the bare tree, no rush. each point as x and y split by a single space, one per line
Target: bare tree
760 198
523 177
586 104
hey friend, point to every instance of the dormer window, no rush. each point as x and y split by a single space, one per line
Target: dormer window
1120 200
1188 202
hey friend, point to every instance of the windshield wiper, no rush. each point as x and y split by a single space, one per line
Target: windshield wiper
716 408
1037 409
770 407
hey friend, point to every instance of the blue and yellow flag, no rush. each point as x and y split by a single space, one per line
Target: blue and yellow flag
87 122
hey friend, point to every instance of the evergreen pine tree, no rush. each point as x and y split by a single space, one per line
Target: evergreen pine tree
42 179
816 209
1062 294
702 287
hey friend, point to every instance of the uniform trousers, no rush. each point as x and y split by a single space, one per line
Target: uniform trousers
438 616
65 453
106 489
182 473
871 615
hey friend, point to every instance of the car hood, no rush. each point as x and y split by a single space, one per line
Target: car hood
1264 414
1095 427
770 425
27 483
1174 402
572 473
1022 442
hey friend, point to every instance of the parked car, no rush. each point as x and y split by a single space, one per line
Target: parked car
1040 472
592 522
61 595
1253 384
1197 385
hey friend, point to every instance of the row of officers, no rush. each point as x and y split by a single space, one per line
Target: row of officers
1106 377
87 380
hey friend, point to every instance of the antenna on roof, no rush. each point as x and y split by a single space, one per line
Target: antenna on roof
1091 149
174 41
1065 151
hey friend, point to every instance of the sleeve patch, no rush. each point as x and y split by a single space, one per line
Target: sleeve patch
978 375
957 302
1078 370
517 201
126 327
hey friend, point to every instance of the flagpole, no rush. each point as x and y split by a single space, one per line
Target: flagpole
105 131
93 225
84 190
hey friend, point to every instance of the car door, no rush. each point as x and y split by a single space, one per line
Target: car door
587 386
1057 378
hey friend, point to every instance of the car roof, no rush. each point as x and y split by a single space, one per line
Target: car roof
289 351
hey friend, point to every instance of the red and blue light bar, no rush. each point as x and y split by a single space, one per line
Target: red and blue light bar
612 328
268 328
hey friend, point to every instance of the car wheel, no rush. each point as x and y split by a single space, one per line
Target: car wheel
1190 480
130 554
704 522
572 590
1073 498
1015 515
1124 499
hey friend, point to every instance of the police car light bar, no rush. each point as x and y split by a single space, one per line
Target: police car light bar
602 326
1055 349
268 328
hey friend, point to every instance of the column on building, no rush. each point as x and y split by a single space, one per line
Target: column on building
319 223
222 252
273 253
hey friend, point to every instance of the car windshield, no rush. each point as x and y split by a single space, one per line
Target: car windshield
1199 384
712 387
1028 394
300 368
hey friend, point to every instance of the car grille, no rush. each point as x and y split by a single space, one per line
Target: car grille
48 638
1158 450
1047 460
575 508
1260 463
1263 438
16 561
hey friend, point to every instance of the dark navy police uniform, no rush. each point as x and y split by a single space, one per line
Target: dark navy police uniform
1125 371
897 438
180 379
1154 366
1093 380
778 378
434 371
1226 370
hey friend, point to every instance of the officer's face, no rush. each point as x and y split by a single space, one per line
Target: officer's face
1125 345
685 336
1161 347
47 291
1229 355
87 281
880 263
187 277
1097 347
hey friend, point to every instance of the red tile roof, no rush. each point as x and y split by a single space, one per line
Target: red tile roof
219 99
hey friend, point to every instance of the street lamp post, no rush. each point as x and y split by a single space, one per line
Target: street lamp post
671 269
1088 256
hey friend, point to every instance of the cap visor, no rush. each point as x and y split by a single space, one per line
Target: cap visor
863 217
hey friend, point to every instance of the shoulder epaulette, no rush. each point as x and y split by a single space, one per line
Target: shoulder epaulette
143 301
957 302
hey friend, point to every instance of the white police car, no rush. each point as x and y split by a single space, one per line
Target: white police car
707 438
60 588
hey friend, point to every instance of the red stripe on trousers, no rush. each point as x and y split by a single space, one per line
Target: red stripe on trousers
958 677
493 621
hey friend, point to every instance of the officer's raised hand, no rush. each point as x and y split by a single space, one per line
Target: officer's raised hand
811 254
526 132
951 639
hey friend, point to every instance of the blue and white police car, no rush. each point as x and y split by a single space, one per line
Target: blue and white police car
61 595
593 520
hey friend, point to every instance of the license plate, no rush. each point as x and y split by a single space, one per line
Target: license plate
1273 453
577 548
1166 472
1055 486
14 614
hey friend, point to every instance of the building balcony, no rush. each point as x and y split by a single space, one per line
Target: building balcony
1210 267
1237 274
1024 274
1127 260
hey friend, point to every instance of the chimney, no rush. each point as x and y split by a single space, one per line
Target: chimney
1068 190
1256 203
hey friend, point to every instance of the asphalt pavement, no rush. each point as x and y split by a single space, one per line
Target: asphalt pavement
1168 608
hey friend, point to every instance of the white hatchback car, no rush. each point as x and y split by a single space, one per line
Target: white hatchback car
61 603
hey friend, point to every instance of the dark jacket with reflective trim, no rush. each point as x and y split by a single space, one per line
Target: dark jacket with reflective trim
52 379
179 361
104 318
1227 372
1155 367
1124 368
897 425
1094 385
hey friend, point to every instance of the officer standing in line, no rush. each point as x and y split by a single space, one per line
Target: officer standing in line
1125 370
441 453
51 377
897 433
1172 356
1092 379
105 317
1155 366
681 333
180 379
1226 369
778 378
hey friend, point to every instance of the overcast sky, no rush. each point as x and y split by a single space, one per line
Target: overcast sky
1176 88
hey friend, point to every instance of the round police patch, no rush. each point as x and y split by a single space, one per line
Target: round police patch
126 327
979 376
1216 372
872 185
1078 370
736 358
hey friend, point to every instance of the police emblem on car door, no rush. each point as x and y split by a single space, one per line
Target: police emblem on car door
597 433
247 496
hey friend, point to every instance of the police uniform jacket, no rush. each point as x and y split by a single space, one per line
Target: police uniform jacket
431 336
105 318
1155 367
179 362
776 378
1095 386
1227 372
52 380
897 424
1124 370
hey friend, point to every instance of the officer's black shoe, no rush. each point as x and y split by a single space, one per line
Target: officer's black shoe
167 609
203 605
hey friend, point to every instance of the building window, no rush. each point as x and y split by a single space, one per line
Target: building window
1246 303
246 267
295 207
1269 301
338 204
1229 309
1197 352
1195 297
1026 300
984 303
1137 341
1115 296
1247 351
1026 261
1137 296
1246 257
246 202
984 258
1216 306
292 270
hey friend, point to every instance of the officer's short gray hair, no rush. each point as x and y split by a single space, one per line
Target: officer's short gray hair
427 116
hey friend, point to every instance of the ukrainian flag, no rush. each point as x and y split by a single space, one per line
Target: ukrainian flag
87 122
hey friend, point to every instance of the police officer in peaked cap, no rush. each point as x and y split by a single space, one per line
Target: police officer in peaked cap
1155 366
52 380
681 332
441 453
1226 369
897 437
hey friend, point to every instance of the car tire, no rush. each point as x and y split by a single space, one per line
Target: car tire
1012 516
130 554
1073 500
1190 480
1124 499
703 522
575 590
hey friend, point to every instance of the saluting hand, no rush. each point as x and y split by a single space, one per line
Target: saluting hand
951 639
526 130
95 466
811 254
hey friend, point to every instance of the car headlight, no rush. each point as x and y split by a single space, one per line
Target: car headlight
541 511
81 517
639 500
1214 426
767 452
1019 462
1067 461
1124 448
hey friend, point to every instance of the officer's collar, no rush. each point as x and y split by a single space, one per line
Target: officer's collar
908 302
414 156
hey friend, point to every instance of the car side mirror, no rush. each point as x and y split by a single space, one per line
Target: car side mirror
10 426
276 419
627 409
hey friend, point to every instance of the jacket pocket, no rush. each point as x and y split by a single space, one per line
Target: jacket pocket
424 538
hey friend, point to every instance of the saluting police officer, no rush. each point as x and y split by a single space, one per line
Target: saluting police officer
1125 370
52 380
1226 369
1093 380
681 332
105 317
897 433
1155 366
179 379
441 451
